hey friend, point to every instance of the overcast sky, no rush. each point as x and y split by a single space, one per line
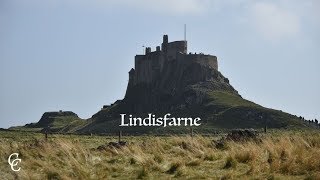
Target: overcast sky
75 54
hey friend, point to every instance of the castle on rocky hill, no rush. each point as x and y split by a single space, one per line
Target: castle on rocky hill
150 66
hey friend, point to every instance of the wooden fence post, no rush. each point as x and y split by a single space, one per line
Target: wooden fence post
120 135
191 132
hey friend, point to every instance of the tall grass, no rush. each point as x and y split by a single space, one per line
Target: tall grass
278 155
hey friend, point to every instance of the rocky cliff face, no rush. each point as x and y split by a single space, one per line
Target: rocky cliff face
181 84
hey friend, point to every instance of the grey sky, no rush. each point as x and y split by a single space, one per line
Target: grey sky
76 54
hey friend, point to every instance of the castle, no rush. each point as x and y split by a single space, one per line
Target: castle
151 65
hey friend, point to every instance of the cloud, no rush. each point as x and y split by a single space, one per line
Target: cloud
174 6
313 11
171 7
163 7
275 22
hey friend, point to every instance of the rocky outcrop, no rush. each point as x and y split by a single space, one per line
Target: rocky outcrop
49 117
182 84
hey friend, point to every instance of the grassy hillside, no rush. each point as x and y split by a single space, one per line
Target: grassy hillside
278 155
221 110
232 111
57 124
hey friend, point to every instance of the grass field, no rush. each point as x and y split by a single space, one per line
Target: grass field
278 155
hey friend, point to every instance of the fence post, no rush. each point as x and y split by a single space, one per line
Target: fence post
120 135
191 132
46 131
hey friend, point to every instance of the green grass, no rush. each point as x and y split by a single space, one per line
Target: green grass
224 98
59 124
63 121
228 110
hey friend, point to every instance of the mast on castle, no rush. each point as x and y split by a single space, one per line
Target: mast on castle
185 32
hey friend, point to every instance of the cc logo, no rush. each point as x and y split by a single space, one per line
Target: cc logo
14 162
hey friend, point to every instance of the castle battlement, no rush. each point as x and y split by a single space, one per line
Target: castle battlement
149 66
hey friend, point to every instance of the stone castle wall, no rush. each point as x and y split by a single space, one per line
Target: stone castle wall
176 47
150 66
205 60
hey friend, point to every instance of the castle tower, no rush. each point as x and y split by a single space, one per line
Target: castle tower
148 50
165 43
131 75
131 82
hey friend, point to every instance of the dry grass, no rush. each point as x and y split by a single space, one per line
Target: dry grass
280 155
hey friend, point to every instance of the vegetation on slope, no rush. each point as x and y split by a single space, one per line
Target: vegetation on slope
232 111
219 111
55 122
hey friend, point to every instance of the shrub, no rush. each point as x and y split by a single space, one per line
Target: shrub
230 163
243 157
174 167
142 173
53 175
194 163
